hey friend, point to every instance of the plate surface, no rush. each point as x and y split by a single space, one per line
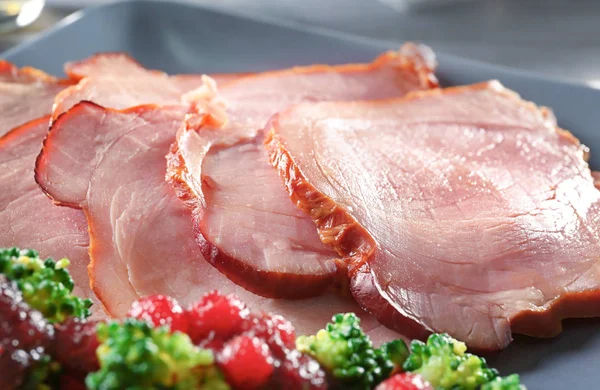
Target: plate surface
179 38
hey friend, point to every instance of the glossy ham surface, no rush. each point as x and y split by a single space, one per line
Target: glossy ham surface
111 164
245 222
25 94
30 219
464 210
118 81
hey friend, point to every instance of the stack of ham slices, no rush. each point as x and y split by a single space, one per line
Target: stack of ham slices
307 192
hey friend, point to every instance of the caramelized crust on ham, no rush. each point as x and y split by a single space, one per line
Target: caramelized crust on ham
118 81
111 164
246 225
464 210
25 94
30 220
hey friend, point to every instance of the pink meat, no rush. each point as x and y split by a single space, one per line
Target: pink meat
118 81
30 220
464 210
111 164
245 222
25 94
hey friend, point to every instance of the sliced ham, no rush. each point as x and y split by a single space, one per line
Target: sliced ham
463 210
121 64
25 94
30 219
111 164
245 222
116 80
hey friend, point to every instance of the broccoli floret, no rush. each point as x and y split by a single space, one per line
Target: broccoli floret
511 382
46 285
347 353
444 363
134 355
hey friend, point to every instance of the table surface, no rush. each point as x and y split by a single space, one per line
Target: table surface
559 38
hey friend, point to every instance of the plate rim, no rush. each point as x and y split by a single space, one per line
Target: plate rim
304 28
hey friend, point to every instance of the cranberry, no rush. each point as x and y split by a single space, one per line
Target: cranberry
214 344
246 362
25 336
299 372
160 310
71 382
405 381
216 317
276 331
76 344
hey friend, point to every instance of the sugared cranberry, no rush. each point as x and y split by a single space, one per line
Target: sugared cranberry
216 317
246 362
76 344
299 372
25 336
276 331
405 381
160 310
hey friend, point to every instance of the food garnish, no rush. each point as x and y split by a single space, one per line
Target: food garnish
46 285
218 343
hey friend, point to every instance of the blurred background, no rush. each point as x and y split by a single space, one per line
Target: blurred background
558 38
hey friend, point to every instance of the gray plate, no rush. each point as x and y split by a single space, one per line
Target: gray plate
181 38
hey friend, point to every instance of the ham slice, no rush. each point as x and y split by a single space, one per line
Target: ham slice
116 80
245 223
30 220
463 210
25 94
111 164
122 65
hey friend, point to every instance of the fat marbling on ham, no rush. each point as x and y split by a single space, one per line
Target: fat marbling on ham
245 222
466 210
